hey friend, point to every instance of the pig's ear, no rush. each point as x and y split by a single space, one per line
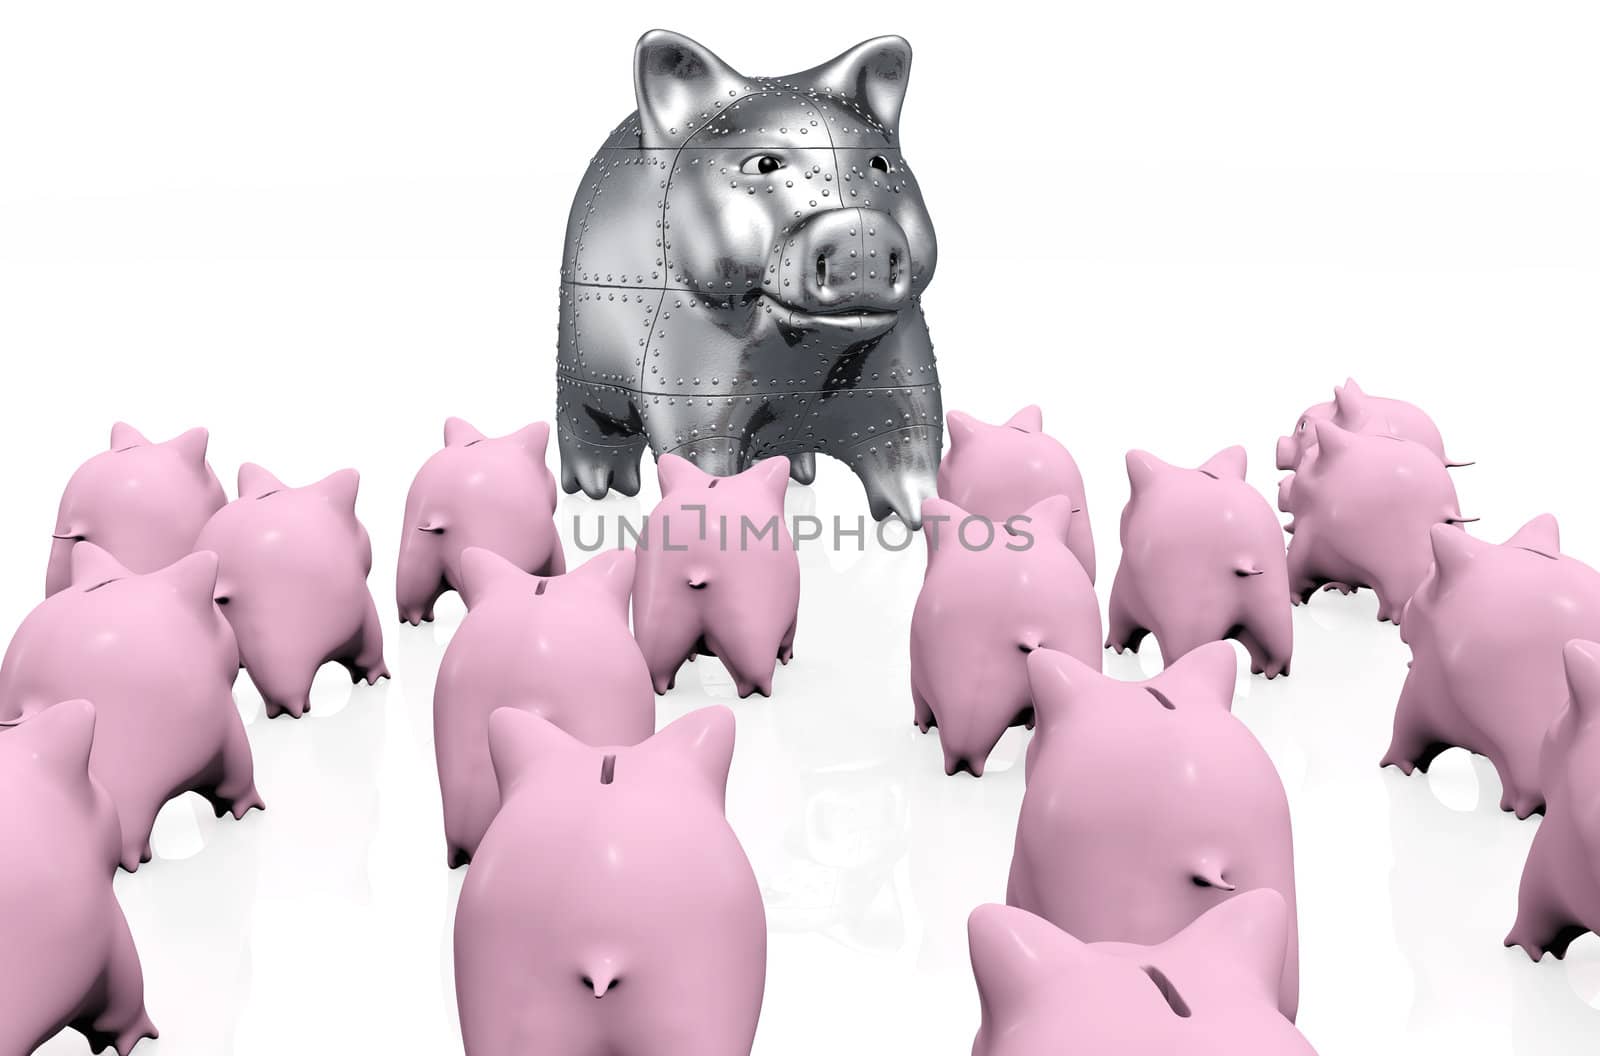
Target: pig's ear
1012 954
1202 676
1227 464
124 435
1582 662
675 80
1057 681
534 439
482 571
1332 442
61 736
961 427
1143 467
1052 516
191 446
1251 930
771 475
519 740
340 489
458 432
194 577
675 471
1541 535
92 565
1453 550
872 75
940 520
1030 419
610 573
1349 405
255 482
704 740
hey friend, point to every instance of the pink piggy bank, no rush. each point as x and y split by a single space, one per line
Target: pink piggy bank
1209 990
717 574
1147 804
1560 897
292 581
989 598
610 908
559 648
1486 630
996 471
1354 411
1202 560
142 502
159 660
1363 508
497 494
66 954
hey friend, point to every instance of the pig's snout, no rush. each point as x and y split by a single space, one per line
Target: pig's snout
843 260
1286 452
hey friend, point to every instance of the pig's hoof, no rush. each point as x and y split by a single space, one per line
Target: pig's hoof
803 467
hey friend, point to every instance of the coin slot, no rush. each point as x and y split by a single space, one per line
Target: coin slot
608 769
1165 701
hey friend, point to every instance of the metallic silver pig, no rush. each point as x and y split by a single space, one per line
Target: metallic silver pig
742 277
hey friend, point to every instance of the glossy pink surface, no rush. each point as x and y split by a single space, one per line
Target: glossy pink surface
1202 560
610 908
1210 990
66 956
142 502
999 470
495 493
159 661
559 648
717 574
1363 507
1486 630
989 598
292 581
1147 804
1560 896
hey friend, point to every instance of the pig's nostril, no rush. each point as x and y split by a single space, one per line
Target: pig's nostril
822 271
894 265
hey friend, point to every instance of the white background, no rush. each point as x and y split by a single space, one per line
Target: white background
319 228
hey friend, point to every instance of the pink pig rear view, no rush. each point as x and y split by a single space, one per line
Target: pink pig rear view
495 493
66 956
610 908
142 502
717 574
556 647
1147 803
292 581
160 661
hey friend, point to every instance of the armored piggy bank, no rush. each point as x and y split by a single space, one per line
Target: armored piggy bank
66 955
292 581
142 502
717 574
496 493
995 471
610 908
159 660
1363 507
1210 990
1202 559
989 598
1560 897
557 647
1147 803
742 277
1486 630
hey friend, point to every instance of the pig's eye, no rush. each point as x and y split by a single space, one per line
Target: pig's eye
761 164
880 163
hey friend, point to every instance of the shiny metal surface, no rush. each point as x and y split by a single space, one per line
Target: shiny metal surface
743 277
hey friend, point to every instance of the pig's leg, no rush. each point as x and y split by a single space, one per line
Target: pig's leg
1416 742
803 467
123 1020
419 581
921 711
234 791
748 650
137 820
666 644
1125 632
1518 767
1269 639
786 647
367 659
600 436
898 470
1543 921
1304 575
284 683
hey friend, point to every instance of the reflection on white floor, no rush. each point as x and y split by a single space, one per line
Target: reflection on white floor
334 906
